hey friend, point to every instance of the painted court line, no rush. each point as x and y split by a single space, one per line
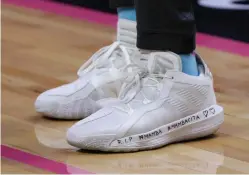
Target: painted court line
205 40
39 162
66 10
223 44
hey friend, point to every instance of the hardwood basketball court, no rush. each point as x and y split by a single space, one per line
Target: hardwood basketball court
43 50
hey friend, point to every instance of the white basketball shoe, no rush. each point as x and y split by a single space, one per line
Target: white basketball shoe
99 80
164 107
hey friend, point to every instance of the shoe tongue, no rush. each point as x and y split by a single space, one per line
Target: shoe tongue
118 61
161 62
158 63
127 32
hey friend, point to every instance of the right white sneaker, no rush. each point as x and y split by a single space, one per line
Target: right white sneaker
164 107
100 79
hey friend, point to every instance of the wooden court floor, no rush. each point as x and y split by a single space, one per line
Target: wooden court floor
41 51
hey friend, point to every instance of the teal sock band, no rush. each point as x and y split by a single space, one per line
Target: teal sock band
189 64
127 13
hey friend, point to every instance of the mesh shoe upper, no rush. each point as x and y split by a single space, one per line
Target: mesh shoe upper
164 96
99 78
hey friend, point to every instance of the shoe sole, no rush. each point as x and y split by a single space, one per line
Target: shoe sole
200 124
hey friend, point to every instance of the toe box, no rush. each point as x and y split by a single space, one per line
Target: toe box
47 104
97 131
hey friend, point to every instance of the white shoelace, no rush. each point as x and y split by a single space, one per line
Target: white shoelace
137 82
103 55
107 54
133 73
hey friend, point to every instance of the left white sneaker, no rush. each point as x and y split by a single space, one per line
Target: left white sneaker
164 107
99 79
